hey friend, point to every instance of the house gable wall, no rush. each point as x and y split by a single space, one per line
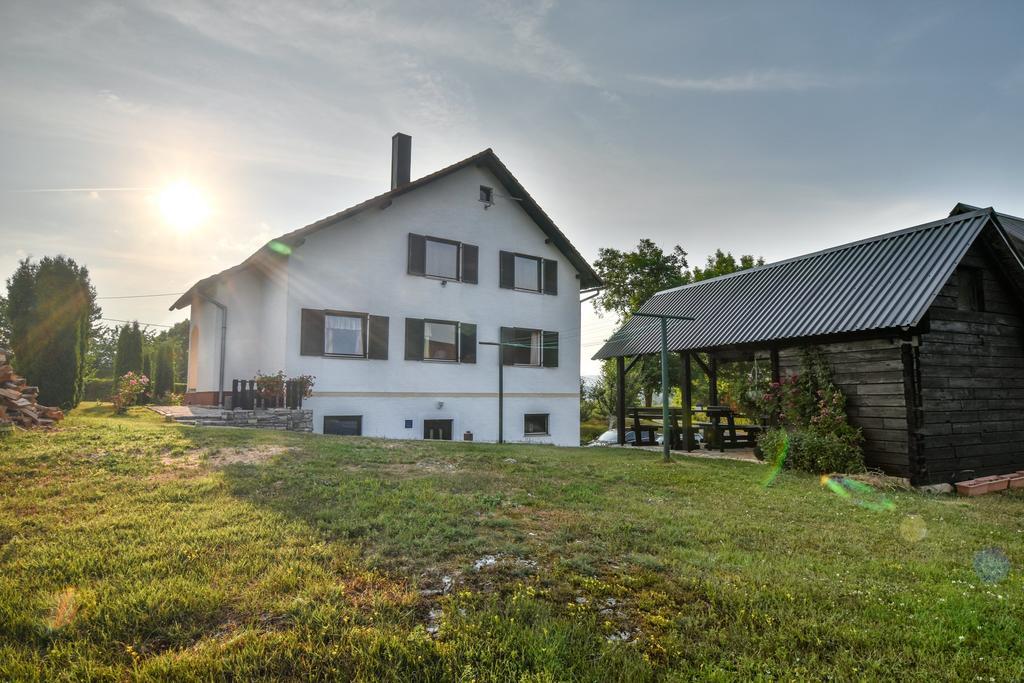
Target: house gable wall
360 265
972 379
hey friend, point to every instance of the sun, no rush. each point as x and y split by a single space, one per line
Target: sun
183 206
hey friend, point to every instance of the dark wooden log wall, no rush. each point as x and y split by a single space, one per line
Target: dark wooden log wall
870 374
972 380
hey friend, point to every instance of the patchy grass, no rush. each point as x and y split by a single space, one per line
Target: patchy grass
135 549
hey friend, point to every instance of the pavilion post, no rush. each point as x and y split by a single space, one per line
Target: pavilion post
775 365
712 379
716 434
666 426
620 399
687 396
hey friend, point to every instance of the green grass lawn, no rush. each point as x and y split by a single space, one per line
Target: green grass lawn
134 549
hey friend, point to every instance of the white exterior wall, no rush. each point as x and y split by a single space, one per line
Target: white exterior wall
360 265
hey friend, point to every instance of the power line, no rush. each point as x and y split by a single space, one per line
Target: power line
139 296
115 320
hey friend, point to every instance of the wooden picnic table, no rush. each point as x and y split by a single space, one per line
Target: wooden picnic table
731 434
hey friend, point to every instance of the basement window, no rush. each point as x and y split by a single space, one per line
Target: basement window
535 424
971 294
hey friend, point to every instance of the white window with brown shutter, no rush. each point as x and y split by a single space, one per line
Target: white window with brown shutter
443 259
440 340
526 273
343 334
529 348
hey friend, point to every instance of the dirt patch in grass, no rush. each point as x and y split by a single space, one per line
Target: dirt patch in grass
192 462
245 456
404 470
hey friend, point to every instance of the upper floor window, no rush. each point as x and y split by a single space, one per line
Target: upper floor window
442 258
486 194
527 273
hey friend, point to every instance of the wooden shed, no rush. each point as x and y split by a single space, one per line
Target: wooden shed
923 329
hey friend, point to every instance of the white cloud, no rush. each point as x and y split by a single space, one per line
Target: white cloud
754 81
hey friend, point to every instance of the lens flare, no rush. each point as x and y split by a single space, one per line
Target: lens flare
991 565
913 529
776 461
857 492
279 247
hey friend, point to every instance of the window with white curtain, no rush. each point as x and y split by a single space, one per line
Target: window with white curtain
442 258
527 273
345 335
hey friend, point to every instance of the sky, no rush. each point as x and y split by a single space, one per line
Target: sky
772 129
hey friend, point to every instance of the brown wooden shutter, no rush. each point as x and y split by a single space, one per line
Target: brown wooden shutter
507 270
508 336
378 346
470 259
311 342
467 342
413 339
550 276
417 254
549 354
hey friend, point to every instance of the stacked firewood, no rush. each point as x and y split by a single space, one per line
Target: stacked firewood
18 401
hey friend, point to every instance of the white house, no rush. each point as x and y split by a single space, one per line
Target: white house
391 304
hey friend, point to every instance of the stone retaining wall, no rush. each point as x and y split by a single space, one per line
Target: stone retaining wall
272 418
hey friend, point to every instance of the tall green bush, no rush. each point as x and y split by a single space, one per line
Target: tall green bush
128 357
50 307
163 369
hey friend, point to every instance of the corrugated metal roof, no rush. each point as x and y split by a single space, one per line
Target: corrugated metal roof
883 282
1013 225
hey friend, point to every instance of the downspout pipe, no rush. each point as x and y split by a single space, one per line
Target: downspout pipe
223 344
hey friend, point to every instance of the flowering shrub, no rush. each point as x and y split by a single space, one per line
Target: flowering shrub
810 411
271 388
306 383
129 387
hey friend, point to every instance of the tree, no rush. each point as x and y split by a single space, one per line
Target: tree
5 325
178 336
51 306
163 369
128 355
102 349
723 263
633 277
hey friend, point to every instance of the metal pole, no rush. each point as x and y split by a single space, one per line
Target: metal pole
666 427
501 392
501 387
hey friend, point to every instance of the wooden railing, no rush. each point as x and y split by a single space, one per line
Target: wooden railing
246 396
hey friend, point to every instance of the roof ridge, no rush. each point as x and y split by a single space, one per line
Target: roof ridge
840 247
